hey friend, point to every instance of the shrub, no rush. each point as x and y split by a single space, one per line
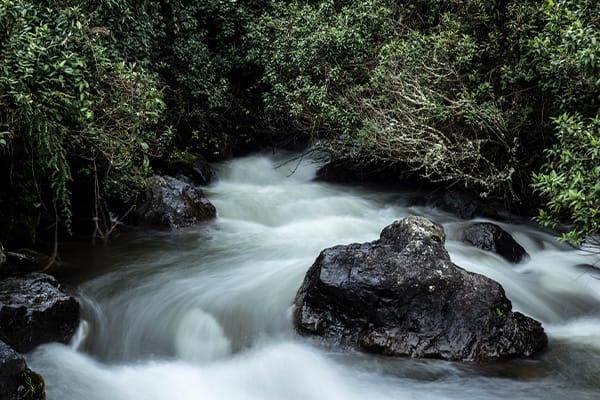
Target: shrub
67 107
315 57
567 51
570 179
421 111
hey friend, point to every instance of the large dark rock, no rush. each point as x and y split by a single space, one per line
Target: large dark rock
17 382
172 203
491 237
401 295
34 310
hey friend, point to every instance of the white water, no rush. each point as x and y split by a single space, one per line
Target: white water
205 314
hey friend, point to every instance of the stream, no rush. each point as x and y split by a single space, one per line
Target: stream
206 313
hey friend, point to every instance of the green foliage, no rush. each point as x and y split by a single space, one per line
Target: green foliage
315 56
388 83
568 55
422 110
567 52
570 179
66 103
456 91
200 54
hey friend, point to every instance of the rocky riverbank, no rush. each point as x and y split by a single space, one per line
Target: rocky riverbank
34 310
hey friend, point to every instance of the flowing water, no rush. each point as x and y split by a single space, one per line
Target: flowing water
205 314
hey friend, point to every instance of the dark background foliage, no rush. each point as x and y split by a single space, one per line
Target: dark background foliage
497 97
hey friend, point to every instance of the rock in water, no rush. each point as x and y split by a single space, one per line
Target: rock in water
34 310
172 203
491 237
17 382
402 296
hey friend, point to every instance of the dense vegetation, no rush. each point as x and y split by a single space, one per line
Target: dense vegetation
498 97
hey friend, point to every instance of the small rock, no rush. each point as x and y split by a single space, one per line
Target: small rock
174 204
458 203
34 310
203 174
490 237
338 172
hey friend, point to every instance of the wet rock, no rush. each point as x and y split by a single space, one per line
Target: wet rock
24 261
203 172
12 366
490 237
17 382
189 167
173 204
340 172
461 204
402 296
34 310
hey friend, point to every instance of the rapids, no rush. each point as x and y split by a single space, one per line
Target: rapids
205 313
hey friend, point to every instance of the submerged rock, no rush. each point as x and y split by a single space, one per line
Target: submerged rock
402 296
17 381
173 204
34 310
491 237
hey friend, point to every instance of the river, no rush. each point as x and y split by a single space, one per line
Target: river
205 313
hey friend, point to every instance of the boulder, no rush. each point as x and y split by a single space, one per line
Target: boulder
173 204
490 237
17 382
402 296
34 310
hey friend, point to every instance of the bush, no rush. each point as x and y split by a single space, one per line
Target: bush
68 108
421 111
315 57
567 51
378 81
570 179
